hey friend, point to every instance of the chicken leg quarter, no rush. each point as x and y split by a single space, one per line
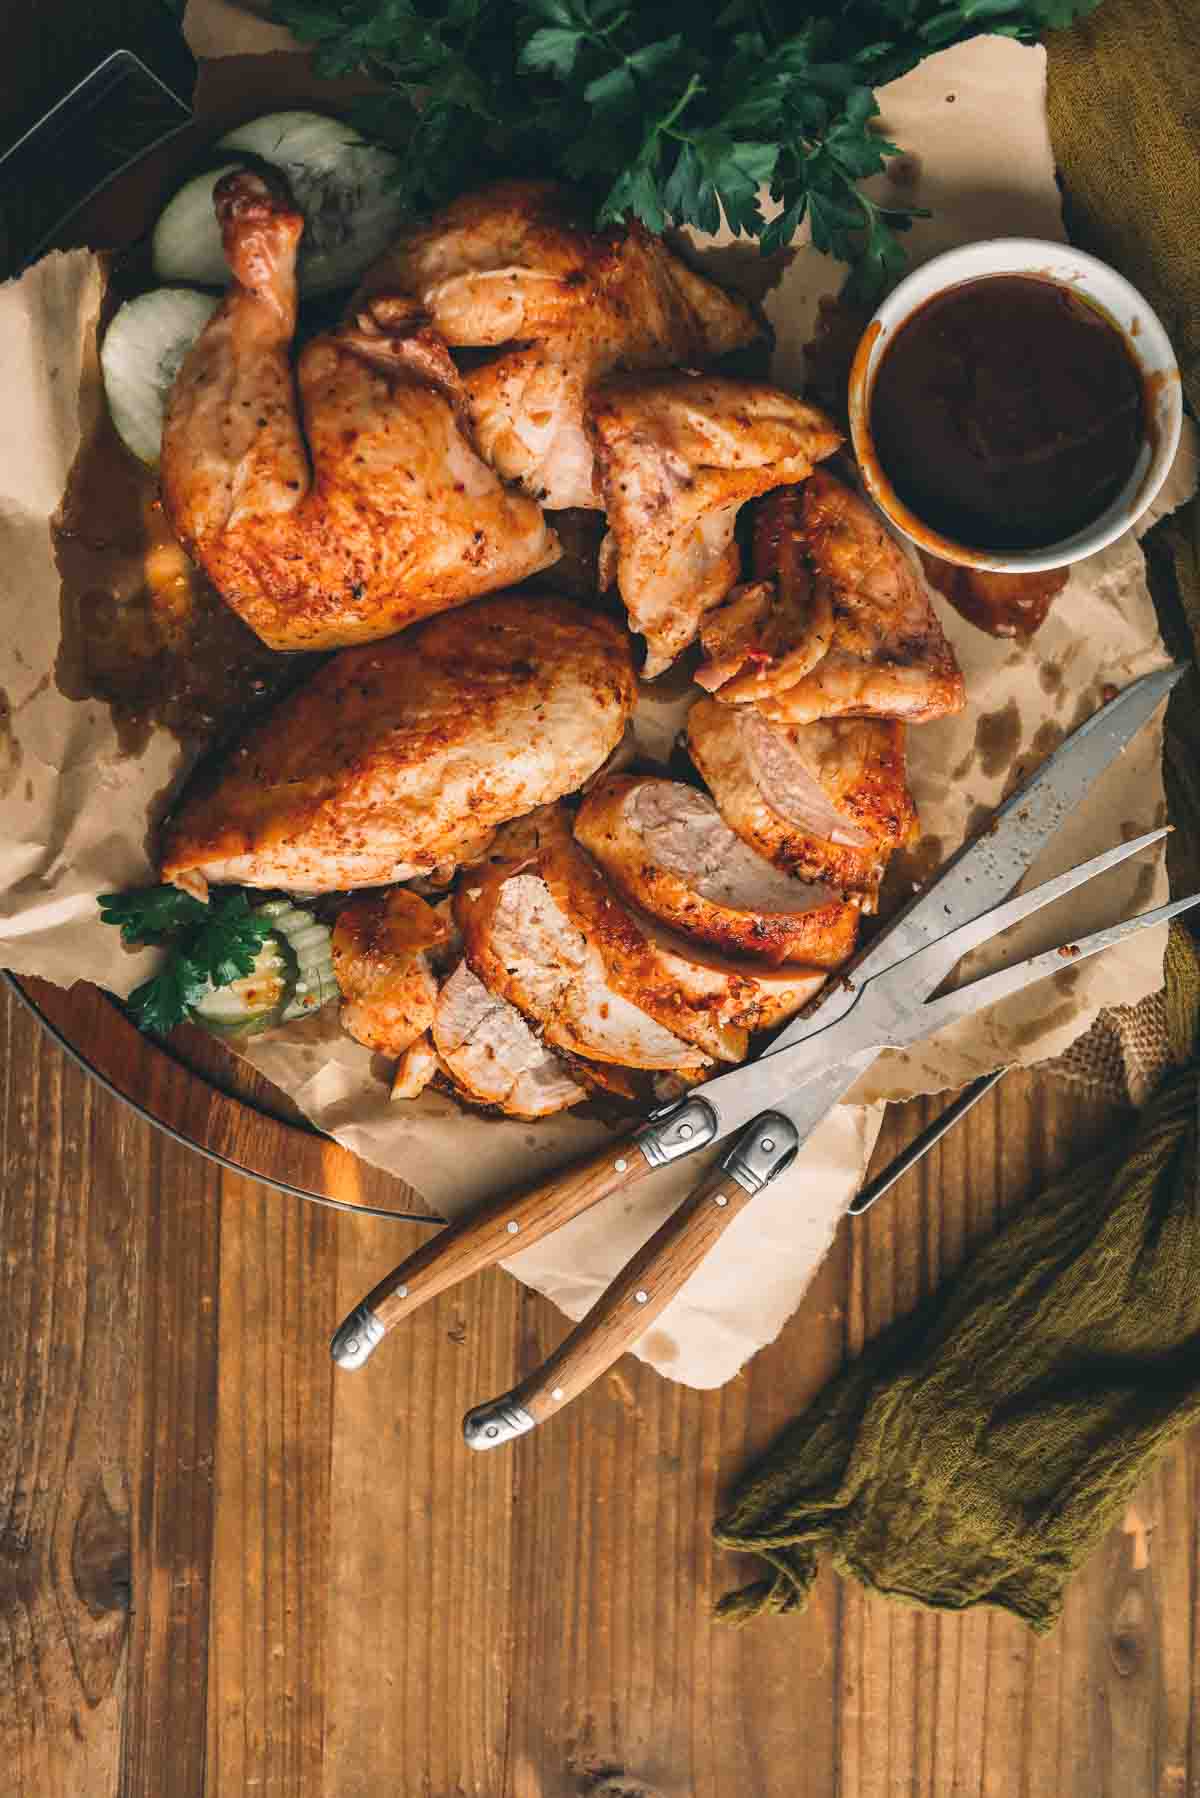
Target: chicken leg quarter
396 519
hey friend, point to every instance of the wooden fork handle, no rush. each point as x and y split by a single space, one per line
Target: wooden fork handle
660 1269
513 1221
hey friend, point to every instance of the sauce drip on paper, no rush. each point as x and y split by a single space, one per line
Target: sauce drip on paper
142 630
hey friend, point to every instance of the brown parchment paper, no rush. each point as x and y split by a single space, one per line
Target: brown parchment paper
73 809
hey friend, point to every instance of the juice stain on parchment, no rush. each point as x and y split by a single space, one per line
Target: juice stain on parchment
142 630
10 749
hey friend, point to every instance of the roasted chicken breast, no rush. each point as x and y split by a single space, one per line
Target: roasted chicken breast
850 631
666 849
400 757
679 454
511 267
343 503
381 944
828 801
493 1056
522 945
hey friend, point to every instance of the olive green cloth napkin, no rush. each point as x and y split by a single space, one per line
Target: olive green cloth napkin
978 1450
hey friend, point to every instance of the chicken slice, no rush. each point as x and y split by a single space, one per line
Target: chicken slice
398 516
512 266
679 454
887 655
494 1056
827 801
666 849
400 757
414 1070
381 964
523 946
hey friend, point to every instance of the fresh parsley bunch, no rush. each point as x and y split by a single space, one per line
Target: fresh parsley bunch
669 113
215 943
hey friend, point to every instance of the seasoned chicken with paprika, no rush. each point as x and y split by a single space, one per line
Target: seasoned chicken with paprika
381 961
667 850
839 623
342 502
827 801
510 268
679 455
399 758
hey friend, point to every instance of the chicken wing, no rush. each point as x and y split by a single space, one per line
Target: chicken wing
398 516
666 848
512 266
827 801
381 963
401 757
867 642
679 454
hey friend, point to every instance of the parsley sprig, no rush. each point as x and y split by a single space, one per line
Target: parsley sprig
215 943
670 113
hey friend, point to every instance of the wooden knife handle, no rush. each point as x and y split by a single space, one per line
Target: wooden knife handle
500 1227
660 1269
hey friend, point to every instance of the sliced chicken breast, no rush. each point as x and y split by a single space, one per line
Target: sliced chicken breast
523 946
666 849
401 757
679 454
868 643
493 1055
381 964
828 801
414 1070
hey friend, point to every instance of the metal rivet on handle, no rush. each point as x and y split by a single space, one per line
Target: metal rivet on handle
767 1145
641 1297
513 1227
352 1346
557 1393
685 1130
620 1166
492 1430
721 1199
402 1292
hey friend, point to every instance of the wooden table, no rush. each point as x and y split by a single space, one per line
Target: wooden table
225 1571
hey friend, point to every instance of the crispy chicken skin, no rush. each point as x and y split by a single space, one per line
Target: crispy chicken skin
666 849
396 518
856 638
510 267
400 757
679 455
381 963
828 801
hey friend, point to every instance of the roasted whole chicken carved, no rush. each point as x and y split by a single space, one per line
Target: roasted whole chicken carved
510 269
840 623
402 757
346 500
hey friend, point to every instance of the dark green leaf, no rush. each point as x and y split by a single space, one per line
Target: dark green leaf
151 914
554 47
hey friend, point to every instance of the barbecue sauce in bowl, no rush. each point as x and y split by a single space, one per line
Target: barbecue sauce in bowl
1008 413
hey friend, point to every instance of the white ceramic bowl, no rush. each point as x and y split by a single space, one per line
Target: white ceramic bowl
1103 288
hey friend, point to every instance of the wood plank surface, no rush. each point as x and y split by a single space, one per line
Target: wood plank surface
226 1570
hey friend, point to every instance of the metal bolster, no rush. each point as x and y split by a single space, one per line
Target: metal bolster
764 1149
355 1340
676 1130
499 1421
